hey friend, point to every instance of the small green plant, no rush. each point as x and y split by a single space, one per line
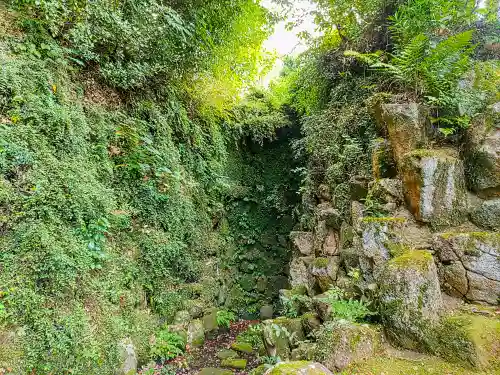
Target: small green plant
168 345
348 309
292 305
270 361
252 335
224 318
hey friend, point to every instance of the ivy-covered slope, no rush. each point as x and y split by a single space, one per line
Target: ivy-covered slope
124 195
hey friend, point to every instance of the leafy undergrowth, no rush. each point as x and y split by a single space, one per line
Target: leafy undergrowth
206 356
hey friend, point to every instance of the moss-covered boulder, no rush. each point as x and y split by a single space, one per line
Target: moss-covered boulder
195 308
310 322
331 216
298 368
302 242
260 370
214 371
195 333
236 363
293 326
487 215
325 271
299 274
226 353
276 340
434 186
388 190
472 340
304 352
182 317
482 159
410 298
266 312
383 165
407 126
322 308
374 242
343 343
470 265
242 347
210 324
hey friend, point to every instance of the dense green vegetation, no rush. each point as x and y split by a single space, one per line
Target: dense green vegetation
135 176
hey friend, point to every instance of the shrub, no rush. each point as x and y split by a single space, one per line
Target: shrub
225 318
167 345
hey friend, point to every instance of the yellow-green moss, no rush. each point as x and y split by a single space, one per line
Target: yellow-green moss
291 368
235 363
321 262
384 365
373 219
443 153
417 259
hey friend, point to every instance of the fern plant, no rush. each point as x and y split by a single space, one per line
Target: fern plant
167 345
351 310
224 318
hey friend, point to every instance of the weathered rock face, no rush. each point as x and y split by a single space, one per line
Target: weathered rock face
195 333
331 216
407 126
323 309
377 237
342 343
298 368
128 358
325 271
388 190
181 317
482 156
304 352
410 298
434 188
487 215
302 242
470 265
383 164
299 274
276 340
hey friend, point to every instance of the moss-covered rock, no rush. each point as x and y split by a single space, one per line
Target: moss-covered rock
473 340
310 322
128 358
373 243
298 368
343 343
470 264
214 371
242 347
195 308
434 186
325 271
302 242
388 190
293 326
487 215
195 333
210 325
322 308
407 126
280 334
266 312
236 363
410 298
299 274
226 353
304 352
181 317
482 159
331 216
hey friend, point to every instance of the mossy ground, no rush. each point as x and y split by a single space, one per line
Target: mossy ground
418 259
384 365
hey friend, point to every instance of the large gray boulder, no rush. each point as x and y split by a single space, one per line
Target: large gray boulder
470 265
434 186
128 358
342 343
482 156
410 298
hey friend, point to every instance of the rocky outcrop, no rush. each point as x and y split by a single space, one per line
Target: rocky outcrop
195 333
302 242
407 127
280 335
434 187
343 343
300 275
410 298
487 215
298 368
376 239
325 271
482 156
470 265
